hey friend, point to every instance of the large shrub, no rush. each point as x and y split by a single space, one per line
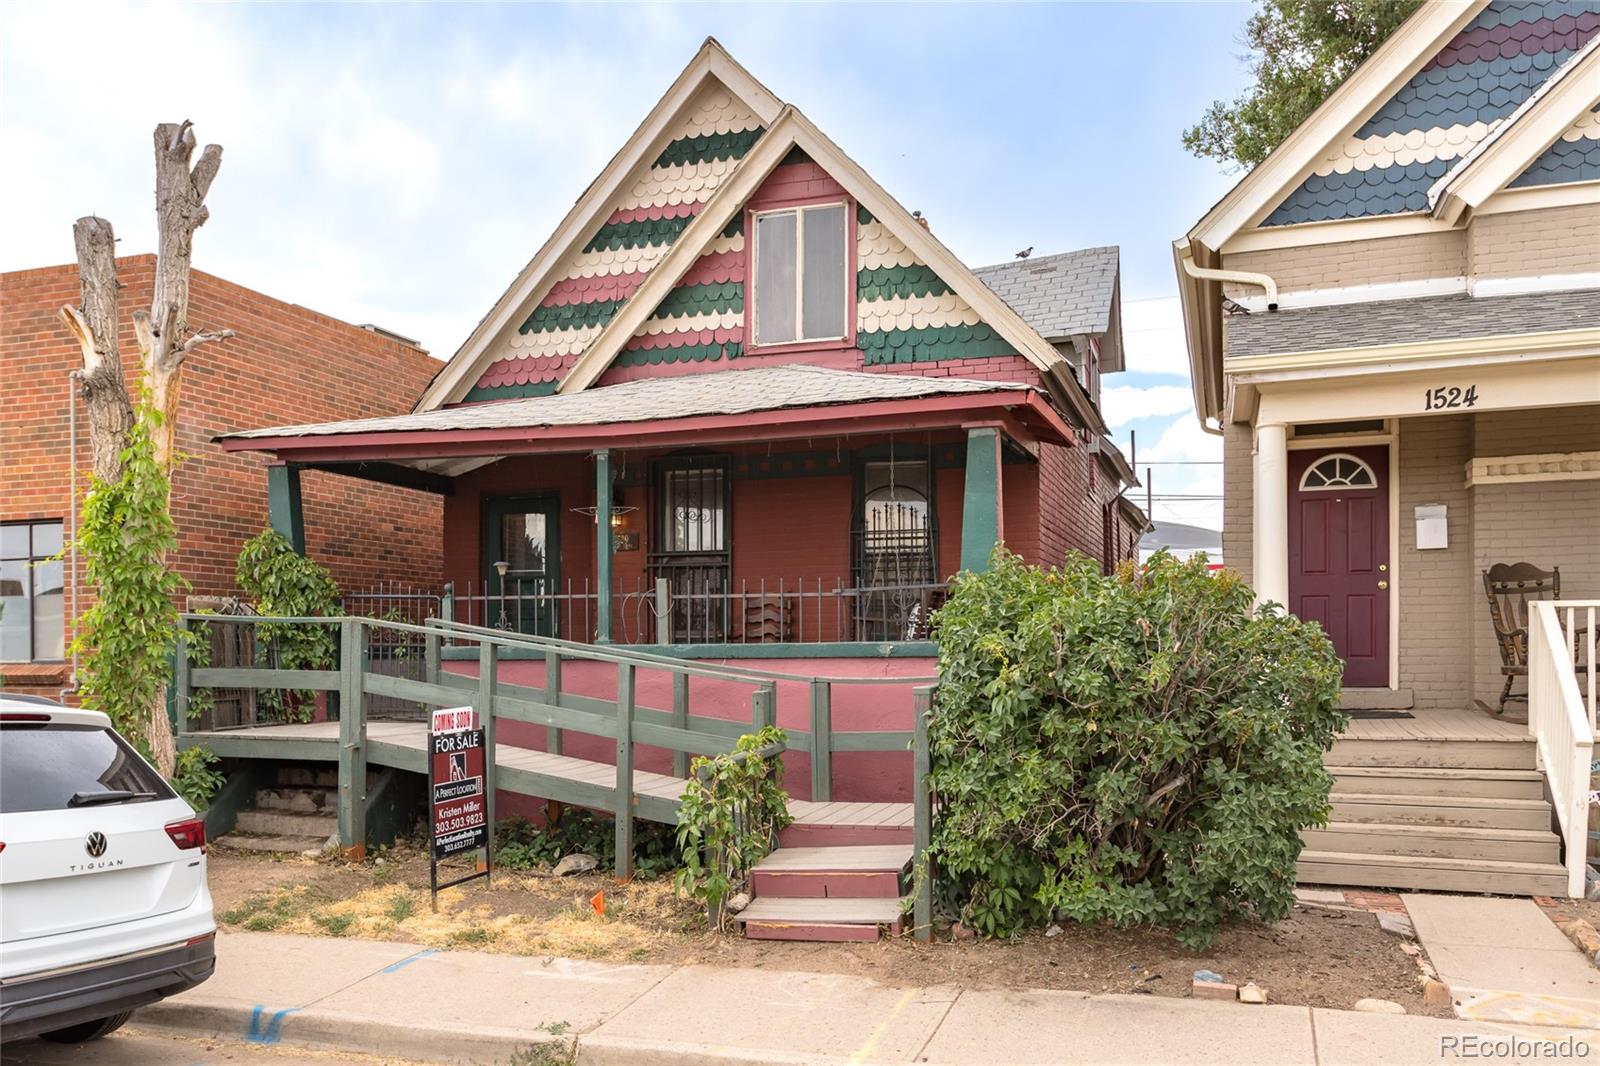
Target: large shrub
285 584
1134 748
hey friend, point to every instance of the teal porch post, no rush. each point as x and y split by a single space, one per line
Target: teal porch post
980 503
283 504
602 544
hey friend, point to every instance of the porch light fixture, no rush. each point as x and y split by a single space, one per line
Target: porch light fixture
617 510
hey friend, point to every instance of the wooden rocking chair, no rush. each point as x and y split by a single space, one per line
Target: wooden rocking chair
1510 586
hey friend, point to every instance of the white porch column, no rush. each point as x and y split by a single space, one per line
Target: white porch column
1271 519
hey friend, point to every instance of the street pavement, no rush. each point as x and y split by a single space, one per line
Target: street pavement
133 1047
403 1001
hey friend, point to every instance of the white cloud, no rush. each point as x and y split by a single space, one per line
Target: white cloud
1152 333
1122 404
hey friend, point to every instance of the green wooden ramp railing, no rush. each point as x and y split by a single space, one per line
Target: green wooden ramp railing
677 729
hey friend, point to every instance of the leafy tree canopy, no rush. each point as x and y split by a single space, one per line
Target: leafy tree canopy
1301 50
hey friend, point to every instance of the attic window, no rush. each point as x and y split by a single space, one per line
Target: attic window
801 274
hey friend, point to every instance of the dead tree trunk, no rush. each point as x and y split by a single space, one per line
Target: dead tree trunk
162 332
101 384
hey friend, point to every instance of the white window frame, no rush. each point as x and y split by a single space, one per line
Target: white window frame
799 210
1346 487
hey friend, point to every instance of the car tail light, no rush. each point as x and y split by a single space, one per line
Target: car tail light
187 834
201 939
13 716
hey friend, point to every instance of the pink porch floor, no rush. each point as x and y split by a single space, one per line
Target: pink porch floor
858 777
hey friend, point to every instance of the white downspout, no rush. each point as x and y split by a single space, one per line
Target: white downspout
1240 277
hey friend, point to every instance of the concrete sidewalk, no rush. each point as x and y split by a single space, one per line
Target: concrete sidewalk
405 1001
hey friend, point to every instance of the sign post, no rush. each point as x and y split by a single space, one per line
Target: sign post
458 809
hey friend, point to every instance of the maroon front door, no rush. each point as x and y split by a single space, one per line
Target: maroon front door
1339 554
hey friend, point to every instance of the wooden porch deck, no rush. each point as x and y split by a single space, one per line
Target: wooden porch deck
527 771
1437 724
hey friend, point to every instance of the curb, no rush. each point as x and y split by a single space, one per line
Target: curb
309 1027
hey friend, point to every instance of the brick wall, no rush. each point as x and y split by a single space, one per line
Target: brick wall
1238 499
288 364
1371 262
1555 240
1434 587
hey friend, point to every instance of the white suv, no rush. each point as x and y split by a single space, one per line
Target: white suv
103 898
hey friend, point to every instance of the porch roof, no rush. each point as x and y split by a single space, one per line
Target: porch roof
717 406
1363 325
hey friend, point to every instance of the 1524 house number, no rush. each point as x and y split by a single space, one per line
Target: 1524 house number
1446 396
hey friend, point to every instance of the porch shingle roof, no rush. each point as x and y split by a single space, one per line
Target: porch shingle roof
722 392
1363 325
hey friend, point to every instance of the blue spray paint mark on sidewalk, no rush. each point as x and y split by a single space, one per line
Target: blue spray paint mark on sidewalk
408 960
272 1032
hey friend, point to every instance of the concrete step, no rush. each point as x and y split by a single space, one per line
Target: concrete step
1478 812
307 777
280 845
1439 875
820 919
286 824
1442 842
310 799
1438 781
1507 754
875 871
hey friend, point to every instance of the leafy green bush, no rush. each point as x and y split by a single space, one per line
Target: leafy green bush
1134 748
194 779
521 845
286 584
728 819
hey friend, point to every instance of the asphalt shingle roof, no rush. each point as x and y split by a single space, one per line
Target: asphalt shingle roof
721 392
1364 325
1060 296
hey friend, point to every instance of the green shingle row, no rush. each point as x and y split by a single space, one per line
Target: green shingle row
863 216
511 392
637 234
929 345
689 353
571 316
887 283
715 297
686 150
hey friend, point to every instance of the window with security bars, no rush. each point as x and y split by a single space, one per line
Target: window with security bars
895 550
690 545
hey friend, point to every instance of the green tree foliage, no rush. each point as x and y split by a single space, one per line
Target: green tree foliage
729 817
194 779
1301 51
124 638
285 584
1135 748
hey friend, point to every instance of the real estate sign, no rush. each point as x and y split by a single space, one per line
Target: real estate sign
458 808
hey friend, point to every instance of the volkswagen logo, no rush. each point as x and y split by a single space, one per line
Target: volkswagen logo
95 844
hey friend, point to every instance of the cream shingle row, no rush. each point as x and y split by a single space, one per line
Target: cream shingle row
877 247
688 183
918 312
1587 128
554 342
1404 147
716 111
643 259
687 323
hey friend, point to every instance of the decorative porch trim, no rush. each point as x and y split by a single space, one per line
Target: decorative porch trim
1543 466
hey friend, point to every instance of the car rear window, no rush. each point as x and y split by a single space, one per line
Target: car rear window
43 766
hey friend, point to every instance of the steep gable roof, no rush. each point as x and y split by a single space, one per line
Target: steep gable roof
1065 296
629 173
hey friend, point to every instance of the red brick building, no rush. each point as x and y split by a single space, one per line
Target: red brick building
286 363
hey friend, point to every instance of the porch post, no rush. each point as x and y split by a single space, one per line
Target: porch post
980 504
1271 526
283 504
602 544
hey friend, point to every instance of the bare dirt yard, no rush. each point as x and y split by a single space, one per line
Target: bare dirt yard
1317 956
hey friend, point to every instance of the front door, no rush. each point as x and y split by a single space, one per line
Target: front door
1339 554
523 532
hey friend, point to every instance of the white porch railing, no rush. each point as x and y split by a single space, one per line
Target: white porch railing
1561 717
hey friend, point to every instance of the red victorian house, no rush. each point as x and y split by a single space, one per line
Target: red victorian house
742 404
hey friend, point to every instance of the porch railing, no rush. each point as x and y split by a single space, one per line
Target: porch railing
683 610
554 706
1561 718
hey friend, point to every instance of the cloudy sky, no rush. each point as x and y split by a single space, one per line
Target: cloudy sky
398 164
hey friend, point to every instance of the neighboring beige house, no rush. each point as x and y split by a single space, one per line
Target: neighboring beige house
1394 323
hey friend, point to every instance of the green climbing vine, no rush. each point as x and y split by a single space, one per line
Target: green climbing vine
729 817
194 779
125 637
285 584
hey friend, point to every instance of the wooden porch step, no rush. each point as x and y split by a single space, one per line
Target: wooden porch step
821 919
1507 753
1438 781
1442 842
1478 812
1439 875
875 871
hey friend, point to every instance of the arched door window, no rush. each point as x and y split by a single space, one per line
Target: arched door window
1338 471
